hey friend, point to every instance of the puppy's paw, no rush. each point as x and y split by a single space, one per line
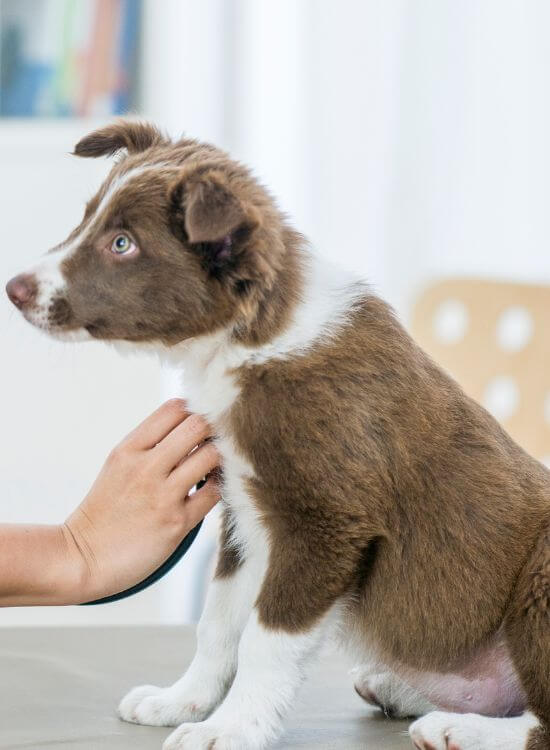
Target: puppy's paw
160 707
211 735
390 694
445 731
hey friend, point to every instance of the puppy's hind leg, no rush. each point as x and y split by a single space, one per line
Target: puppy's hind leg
390 693
527 630
528 633
445 731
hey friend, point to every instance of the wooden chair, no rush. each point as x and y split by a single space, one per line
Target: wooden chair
493 337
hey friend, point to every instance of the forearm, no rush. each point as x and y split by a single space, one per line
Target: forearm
39 565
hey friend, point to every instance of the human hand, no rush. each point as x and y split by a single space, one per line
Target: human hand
139 508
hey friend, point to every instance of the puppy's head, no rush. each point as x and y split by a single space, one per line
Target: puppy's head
179 241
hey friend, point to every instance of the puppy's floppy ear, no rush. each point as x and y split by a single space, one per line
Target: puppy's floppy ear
207 209
132 136
207 213
223 220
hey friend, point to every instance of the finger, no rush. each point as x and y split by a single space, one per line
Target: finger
158 424
202 501
196 466
180 442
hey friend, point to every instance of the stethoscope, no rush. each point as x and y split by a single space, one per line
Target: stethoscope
156 575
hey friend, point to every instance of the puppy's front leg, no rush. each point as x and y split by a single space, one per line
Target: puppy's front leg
229 602
303 583
272 665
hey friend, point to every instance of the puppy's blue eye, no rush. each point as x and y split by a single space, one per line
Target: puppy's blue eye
122 245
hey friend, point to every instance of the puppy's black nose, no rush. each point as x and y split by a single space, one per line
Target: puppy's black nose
22 289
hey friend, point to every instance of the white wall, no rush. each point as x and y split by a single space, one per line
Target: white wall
408 139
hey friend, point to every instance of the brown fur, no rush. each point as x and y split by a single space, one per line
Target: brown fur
380 483
135 137
407 495
229 558
528 630
539 739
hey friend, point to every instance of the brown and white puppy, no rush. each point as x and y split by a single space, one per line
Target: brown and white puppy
363 488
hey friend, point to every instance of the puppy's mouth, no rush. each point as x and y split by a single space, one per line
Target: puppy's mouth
60 314
49 308
56 320
98 329
62 319
52 311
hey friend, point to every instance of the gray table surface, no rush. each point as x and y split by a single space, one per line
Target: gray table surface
59 688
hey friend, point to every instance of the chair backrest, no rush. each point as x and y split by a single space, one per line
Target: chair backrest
493 337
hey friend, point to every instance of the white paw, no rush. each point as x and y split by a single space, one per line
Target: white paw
389 693
210 735
444 731
161 707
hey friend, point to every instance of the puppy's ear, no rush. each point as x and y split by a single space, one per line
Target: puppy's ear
226 225
207 208
206 213
132 136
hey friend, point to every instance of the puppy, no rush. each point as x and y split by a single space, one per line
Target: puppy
363 489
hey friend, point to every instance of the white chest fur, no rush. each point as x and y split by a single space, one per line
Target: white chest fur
210 389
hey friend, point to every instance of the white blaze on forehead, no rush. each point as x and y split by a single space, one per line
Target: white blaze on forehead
116 185
113 189
48 273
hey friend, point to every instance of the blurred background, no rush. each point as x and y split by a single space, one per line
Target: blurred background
408 140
